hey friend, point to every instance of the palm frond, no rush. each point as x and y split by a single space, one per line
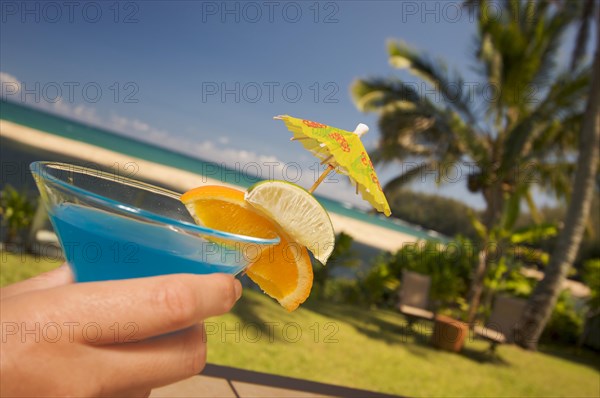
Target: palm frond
373 95
563 103
556 177
408 176
413 133
435 72
533 209
568 90
558 140
534 233
517 49
548 34
526 134
411 124
583 33
512 208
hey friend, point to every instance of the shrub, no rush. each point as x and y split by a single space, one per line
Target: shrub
343 256
449 267
516 284
17 212
447 216
342 290
379 284
591 276
566 323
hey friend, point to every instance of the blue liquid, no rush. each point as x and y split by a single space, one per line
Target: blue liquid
104 246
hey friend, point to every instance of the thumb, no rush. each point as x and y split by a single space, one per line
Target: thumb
57 277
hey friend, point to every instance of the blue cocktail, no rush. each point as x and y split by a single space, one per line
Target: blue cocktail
112 227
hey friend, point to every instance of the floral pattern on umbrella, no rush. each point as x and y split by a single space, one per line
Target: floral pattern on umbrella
342 151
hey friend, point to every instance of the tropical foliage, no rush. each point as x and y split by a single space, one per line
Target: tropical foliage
518 127
343 256
591 276
539 307
16 211
448 265
444 215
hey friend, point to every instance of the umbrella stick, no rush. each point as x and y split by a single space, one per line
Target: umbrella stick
321 178
327 159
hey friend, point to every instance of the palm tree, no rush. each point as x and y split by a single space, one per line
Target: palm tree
516 129
542 301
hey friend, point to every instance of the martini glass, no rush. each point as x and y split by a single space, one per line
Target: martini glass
112 227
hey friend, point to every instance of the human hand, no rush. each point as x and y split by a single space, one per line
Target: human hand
106 338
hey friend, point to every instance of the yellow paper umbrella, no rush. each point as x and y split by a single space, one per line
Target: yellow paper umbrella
342 151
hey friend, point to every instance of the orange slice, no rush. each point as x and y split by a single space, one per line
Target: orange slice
283 271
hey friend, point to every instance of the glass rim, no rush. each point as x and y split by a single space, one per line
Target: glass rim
119 207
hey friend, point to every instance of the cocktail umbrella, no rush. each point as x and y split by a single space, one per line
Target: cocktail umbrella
342 151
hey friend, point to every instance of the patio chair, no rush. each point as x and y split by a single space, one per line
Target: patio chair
413 297
499 329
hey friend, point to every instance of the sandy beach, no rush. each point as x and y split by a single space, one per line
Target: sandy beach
367 234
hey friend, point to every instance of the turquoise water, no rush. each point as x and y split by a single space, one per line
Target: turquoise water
104 246
70 129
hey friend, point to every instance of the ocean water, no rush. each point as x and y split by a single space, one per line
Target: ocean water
57 125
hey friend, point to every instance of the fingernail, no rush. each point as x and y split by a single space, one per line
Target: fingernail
238 289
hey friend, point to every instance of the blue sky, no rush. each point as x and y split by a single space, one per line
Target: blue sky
206 78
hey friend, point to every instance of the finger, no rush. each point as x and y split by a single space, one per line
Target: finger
155 362
115 311
57 277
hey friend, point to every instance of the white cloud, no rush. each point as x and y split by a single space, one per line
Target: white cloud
81 113
9 85
137 129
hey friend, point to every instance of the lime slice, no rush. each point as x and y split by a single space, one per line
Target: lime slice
297 212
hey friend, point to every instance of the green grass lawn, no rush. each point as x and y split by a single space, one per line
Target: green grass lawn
16 267
372 349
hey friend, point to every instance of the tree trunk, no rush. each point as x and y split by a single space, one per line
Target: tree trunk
543 299
494 203
477 285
